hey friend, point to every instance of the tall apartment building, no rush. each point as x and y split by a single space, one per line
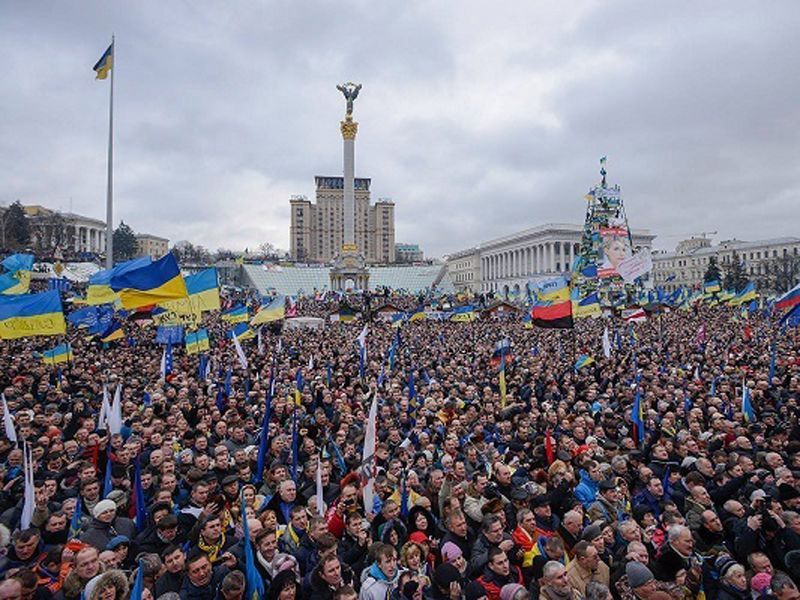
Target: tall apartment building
317 228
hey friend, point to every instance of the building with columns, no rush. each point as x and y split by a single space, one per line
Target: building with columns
68 231
686 265
508 263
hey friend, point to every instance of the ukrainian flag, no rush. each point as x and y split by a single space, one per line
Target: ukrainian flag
463 314
197 341
60 354
18 262
114 332
99 290
103 66
267 313
12 284
237 314
709 287
203 288
241 331
417 315
587 307
583 361
552 291
160 280
31 314
748 294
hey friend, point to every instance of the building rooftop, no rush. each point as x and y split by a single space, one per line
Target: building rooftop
729 245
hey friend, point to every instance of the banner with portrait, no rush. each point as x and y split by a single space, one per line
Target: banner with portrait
615 247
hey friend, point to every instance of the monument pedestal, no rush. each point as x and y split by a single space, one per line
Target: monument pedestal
349 270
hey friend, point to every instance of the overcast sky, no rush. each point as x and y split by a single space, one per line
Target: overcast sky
477 118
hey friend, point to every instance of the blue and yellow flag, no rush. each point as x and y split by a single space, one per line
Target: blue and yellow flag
501 379
18 262
106 62
587 307
583 361
159 281
197 341
748 294
267 313
551 291
709 287
241 331
60 354
31 314
203 288
99 290
237 314
464 314
113 332
13 284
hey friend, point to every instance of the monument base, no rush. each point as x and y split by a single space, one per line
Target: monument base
349 270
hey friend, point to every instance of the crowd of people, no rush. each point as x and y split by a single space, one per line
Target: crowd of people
547 490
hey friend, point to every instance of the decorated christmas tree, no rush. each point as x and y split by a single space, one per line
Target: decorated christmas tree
605 243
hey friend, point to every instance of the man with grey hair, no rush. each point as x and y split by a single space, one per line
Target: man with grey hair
676 555
555 585
783 588
570 530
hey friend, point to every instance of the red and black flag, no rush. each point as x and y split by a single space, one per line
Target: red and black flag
555 316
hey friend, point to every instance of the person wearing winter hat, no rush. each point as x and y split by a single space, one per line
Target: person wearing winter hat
453 555
101 587
640 579
514 591
106 525
760 583
732 580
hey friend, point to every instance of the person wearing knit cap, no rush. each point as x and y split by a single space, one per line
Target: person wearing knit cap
760 583
514 591
453 555
106 525
640 579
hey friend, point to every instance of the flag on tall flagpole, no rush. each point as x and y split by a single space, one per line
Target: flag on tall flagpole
263 443
101 69
8 422
29 496
606 344
368 457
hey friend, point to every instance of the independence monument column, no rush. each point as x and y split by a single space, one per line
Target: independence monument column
349 268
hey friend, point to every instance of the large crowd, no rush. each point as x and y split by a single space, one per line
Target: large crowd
544 492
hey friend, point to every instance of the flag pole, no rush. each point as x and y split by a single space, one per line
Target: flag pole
110 188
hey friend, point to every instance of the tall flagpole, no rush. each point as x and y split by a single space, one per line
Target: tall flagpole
110 188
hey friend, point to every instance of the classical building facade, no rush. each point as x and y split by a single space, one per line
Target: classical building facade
68 231
509 262
151 245
686 266
316 232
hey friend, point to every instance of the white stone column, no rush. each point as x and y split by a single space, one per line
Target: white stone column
349 129
551 253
